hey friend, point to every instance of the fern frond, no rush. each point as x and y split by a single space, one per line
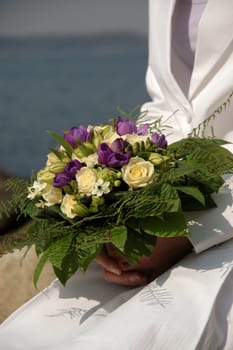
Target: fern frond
202 127
17 188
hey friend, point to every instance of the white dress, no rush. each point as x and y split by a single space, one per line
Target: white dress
188 307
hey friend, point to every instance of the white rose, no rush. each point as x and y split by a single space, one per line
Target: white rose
67 206
86 179
138 172
52 195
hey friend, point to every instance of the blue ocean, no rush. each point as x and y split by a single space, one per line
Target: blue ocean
56 83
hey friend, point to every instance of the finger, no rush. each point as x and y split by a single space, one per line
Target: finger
113 253
131 279
107 263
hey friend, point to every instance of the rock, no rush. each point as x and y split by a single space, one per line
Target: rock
16 282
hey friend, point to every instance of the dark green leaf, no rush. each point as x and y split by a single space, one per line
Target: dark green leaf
62 142
170 225
58 154
137 245
193 192
86 256
58 250
68 268
39 268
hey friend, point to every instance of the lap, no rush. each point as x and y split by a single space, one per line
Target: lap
177 310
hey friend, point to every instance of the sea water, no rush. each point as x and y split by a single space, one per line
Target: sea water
56 83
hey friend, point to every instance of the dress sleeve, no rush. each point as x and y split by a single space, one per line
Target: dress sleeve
208 227
213 226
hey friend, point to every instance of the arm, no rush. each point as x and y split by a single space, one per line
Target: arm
209 227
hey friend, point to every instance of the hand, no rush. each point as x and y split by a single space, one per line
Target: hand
167 252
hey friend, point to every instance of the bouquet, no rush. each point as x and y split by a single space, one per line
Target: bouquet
115 183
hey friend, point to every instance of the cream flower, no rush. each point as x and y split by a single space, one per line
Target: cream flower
44 175
138 172
36 189
68 205
133 138
54 164
90 160
86 179
111 137
52 195
101 187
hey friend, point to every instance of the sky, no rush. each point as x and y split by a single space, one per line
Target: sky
47 17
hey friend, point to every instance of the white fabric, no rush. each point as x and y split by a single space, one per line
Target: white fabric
186 17
189 307
190 102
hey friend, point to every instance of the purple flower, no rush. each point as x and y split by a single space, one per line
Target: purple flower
125 126
72 167
142 129
79 133
61 179
110 158
118 145
104 152
160 140
117 160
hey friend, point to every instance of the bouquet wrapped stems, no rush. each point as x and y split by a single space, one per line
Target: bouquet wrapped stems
115 183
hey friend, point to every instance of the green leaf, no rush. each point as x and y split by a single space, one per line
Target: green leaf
118 236
58 250
86 256
62 142
193 192
137 245
58 154
170 225
68 267
39 268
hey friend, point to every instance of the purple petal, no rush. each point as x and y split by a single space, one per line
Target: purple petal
118 145
72 167
160 140
117 160
143 129
125 126
61 179
79 133
104 152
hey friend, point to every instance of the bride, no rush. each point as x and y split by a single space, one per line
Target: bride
190 305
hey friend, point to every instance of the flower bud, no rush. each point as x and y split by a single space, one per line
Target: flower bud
80 210
54 164
44 175
156 158
117 183
96 203
83 150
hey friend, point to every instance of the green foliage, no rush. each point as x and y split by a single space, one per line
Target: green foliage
62 142
118 236
18 202
138 243
201 129
130 220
